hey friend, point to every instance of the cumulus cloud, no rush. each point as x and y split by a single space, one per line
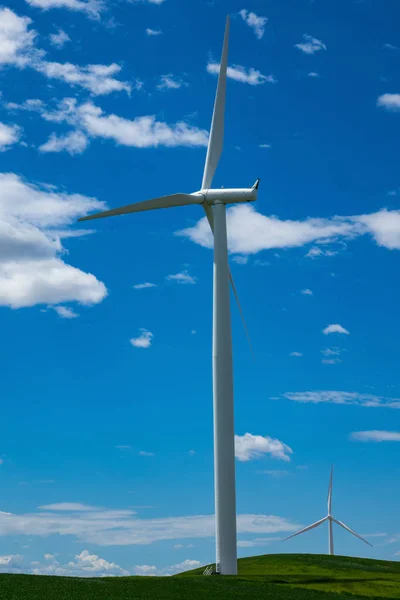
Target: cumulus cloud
65 312
153 31
17 48
31 267
97 79
170 82
256 23
390 102
296 354
375 436
143 340
140 132
250 232
16 40
183 277
123 528
335 328
242 74
339 397
74 142
307 292
92 8
144 286
310 45
249 446
59 39
9 135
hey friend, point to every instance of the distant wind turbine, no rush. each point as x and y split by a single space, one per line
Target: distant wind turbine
330 520
214 202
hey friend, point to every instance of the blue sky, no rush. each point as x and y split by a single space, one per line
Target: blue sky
106 447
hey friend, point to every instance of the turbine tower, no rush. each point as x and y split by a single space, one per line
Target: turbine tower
214 203
330 520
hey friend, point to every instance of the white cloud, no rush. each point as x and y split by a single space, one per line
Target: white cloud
339 397
249 446
124 447
123 528
92 8
242 74
375 436
390 102
331 351
170 82
144 453
264 145
144 286
307 292
313 74
68 506
182 277
295 354
157 2
11 563
240 259
145 570
250 232
74 142
17 48
277 474
335 328
84 565
257 542
9 135
141 132
331 356
316 251
153 31
31 270
65 312
255 22
310 44
97 79
384 226
143 340
16 41
59 39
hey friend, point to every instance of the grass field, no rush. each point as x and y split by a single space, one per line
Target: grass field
270 577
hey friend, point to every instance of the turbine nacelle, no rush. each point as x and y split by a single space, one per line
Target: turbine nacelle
227 195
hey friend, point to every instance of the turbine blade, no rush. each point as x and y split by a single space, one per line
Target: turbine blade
210 217
241 313
155 203
351 531
330 493
316 524
216 139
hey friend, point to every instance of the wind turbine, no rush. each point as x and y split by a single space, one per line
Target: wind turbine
330 520
214 203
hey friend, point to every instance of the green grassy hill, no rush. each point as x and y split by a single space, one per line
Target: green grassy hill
361 576
270 577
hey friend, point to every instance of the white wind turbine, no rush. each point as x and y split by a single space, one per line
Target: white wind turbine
330 520
214 202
